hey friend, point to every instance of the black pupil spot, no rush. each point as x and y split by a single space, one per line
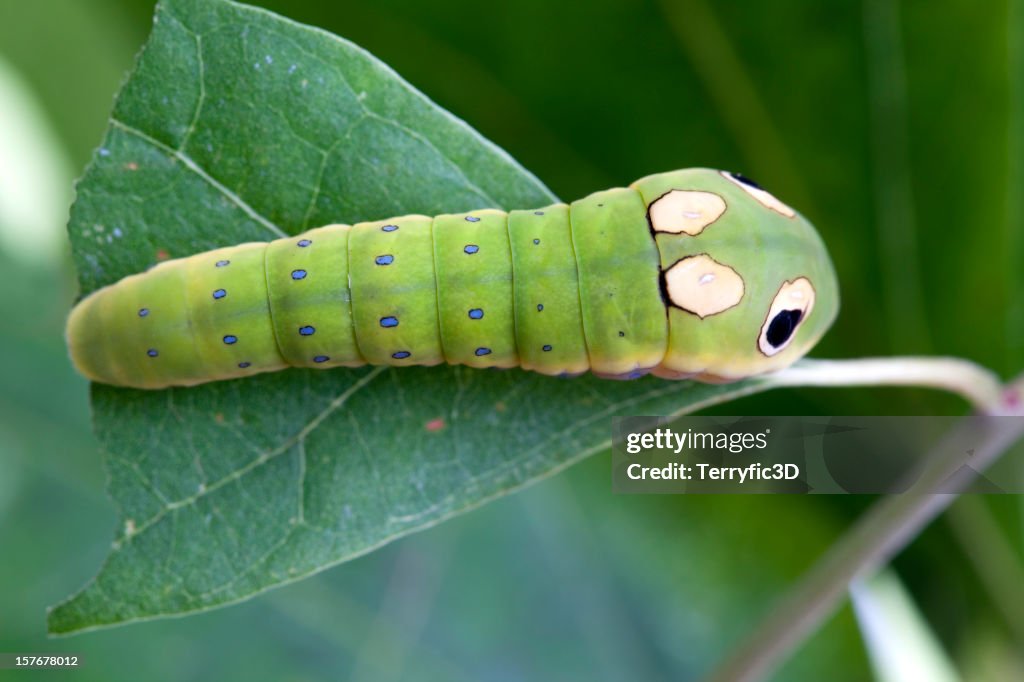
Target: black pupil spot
746 181
782 327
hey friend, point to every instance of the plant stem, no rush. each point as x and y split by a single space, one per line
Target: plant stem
994 559
980 386
878 535
904 300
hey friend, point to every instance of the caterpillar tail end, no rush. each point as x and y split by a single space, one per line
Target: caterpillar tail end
85 349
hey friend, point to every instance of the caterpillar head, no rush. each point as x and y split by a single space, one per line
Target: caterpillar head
747 282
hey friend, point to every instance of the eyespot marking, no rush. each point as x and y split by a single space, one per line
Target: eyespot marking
219 294
401 355
482 351
472 219
303 243
546 347
540 307
790 307
298 274
538 213
782 327
152 352
307 330
143 312
764 197
321 358
703 286
389 321
476 313
230 339
386 259
746 181
222 264
536 242
471 248
682 211
389 228
244 365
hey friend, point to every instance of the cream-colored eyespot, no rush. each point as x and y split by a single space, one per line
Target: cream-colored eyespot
763 196
790 307
703 286
685 211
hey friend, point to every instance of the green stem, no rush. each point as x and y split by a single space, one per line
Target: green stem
883 531
994 559
890 155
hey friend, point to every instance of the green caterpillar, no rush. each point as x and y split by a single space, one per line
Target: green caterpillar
695 273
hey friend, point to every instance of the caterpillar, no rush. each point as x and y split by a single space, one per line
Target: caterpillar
694 273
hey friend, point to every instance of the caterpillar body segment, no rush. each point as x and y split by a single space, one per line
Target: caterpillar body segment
304 284
547 303
473 262
624 320
693 273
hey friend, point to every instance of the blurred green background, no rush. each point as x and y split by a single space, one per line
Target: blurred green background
898 128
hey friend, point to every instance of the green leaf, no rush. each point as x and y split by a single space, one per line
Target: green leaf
239 125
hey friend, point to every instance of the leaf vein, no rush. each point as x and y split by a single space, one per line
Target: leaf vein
238 473
189 163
